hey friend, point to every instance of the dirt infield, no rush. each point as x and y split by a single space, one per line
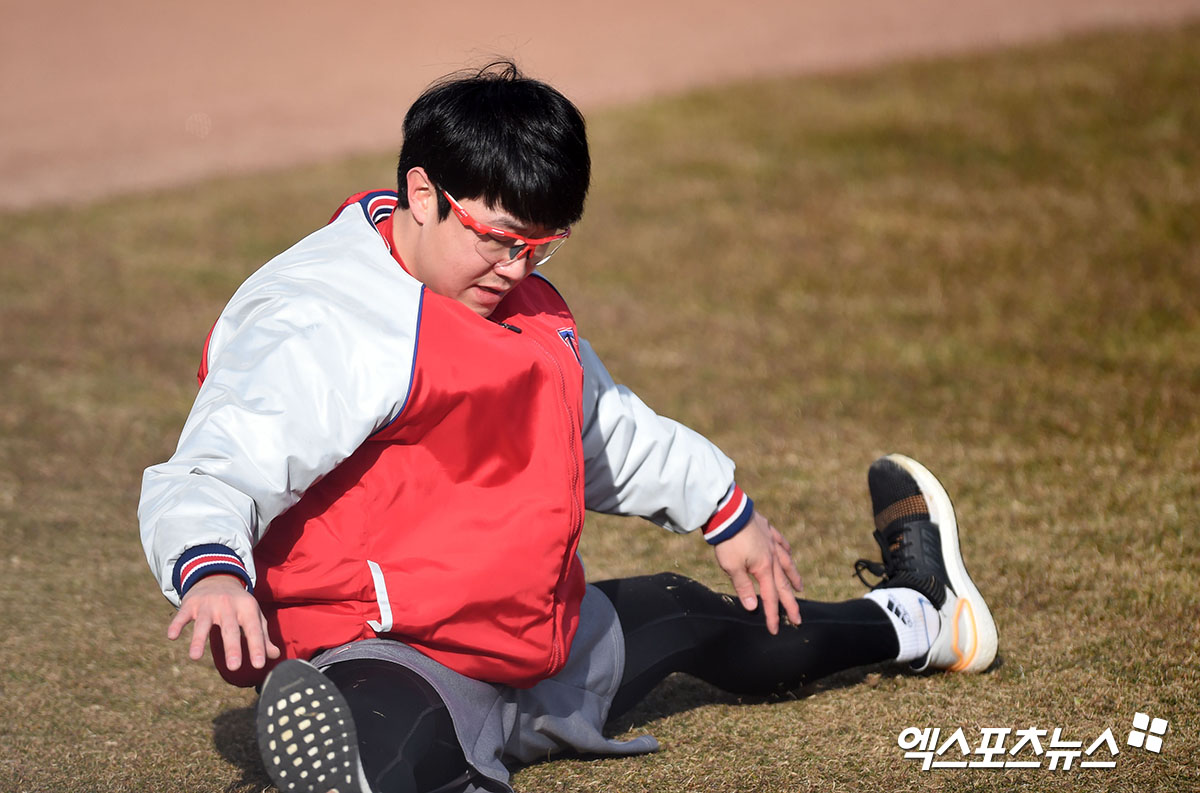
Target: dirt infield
131 95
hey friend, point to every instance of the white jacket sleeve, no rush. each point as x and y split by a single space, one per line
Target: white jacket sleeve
640 463
302 369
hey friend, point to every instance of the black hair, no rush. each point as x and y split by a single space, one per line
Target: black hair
497 135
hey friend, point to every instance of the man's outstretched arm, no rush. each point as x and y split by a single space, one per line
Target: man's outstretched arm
641 463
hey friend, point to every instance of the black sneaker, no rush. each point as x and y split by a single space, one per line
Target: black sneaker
306 734
918 534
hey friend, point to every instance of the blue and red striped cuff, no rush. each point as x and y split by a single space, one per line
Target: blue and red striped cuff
205 560
732 515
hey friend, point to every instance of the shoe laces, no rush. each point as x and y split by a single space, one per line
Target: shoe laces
874 568
900 567
897 556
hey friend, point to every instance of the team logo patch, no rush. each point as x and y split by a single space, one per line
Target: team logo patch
568 337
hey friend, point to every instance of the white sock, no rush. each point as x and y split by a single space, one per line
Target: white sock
912 615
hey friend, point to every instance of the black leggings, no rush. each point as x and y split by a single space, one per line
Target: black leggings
405 737
674 624
671 624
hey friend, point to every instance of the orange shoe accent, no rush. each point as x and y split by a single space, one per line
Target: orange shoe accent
964 659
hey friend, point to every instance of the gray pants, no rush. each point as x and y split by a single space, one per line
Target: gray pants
496 724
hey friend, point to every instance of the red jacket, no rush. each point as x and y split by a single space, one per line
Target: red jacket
377 460
455 527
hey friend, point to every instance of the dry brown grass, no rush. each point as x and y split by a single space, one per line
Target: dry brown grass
990 264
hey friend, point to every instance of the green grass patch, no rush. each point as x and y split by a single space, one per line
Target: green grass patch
991 264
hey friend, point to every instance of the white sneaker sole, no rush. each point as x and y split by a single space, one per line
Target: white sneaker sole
306 734
968 643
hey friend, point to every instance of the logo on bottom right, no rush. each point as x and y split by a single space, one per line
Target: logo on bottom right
1147 734
1027 751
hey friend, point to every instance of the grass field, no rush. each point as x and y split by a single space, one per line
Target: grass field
991 264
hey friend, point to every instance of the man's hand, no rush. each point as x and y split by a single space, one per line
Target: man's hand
222 601
760 553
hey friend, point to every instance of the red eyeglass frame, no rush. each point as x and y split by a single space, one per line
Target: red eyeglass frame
530 243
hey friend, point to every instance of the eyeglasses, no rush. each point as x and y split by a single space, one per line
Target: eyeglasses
500 246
